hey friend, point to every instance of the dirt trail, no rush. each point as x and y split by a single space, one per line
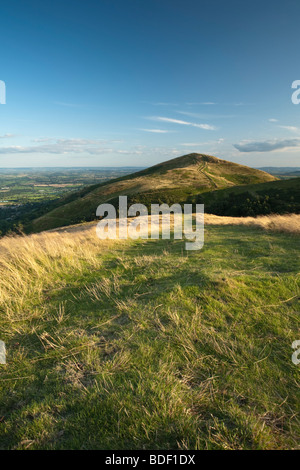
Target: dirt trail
201 169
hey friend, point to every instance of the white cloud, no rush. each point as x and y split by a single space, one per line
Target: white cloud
162 103
183 123
6 136
69 105
198 144
212 103
290 128
206 116
273 120
155 131
205 103
49 145
159 103
194 144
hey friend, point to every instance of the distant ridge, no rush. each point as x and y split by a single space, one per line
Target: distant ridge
279 169
174 180
282 171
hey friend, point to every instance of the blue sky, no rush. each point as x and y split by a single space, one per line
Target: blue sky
136 82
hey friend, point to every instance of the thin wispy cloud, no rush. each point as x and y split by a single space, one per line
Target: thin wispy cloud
290 128
156 131
68 105
273 120
163 103
64 146
267 146
160 103
206 116
194 144
205 103
183 123
212 103
6 136
197 144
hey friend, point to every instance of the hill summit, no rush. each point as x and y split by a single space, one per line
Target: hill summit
171 181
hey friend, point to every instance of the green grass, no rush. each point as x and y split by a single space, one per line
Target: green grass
142 345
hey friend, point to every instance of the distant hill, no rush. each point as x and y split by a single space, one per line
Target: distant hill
280 197
278 170
175 180
282 172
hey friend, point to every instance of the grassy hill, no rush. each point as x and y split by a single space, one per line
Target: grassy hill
171 181
142 345
249 200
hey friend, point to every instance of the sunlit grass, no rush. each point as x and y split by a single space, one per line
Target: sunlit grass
126 345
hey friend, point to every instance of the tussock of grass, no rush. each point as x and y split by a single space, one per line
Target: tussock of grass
126 345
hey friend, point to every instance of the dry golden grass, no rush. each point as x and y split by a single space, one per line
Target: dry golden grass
30 264
289 223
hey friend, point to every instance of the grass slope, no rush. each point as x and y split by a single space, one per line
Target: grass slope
129 345
171 181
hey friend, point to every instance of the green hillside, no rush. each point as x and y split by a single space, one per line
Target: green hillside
255 199
172 181
141 345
